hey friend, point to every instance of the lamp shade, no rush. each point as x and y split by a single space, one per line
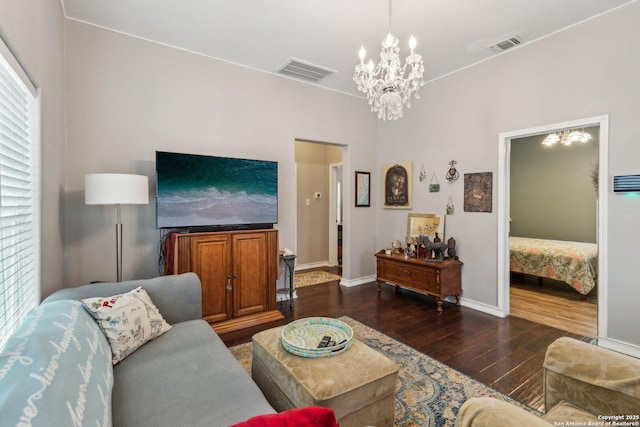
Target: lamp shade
116 189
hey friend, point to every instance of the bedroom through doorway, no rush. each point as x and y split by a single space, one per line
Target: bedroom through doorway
553 229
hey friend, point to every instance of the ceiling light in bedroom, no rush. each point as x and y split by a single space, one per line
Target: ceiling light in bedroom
566 137
385 85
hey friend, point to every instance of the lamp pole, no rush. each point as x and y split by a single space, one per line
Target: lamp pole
118 245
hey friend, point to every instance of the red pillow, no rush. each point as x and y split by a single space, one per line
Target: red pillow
310 416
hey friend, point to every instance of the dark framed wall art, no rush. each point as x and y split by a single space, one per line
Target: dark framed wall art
397 185
363 189
478 192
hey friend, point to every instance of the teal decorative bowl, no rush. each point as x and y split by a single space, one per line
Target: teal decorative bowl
301 337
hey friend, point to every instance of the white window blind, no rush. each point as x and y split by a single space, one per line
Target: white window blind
19 198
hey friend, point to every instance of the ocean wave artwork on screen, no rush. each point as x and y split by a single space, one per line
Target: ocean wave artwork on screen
200 191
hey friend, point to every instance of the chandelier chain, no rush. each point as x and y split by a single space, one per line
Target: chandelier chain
389 15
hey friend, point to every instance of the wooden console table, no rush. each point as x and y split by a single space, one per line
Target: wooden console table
436 278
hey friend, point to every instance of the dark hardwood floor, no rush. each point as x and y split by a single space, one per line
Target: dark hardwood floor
506 354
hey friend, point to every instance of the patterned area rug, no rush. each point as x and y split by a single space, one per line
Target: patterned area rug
429 393
309 278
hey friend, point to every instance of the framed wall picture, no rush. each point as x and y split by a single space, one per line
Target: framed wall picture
478 192
363 189
397 185
426 224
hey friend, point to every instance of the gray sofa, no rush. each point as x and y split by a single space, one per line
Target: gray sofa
185 377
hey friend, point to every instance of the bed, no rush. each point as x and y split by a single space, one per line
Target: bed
575 263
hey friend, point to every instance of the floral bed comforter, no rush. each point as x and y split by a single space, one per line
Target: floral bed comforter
575 263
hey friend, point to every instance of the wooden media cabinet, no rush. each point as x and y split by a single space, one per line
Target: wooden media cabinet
238 271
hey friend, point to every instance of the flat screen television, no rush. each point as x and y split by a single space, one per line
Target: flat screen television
208 192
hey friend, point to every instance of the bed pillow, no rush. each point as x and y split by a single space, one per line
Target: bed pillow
128 320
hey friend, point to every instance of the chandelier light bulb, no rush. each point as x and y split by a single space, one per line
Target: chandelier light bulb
370 66
362 54
412 44
585 137
389 40
551 139
574 135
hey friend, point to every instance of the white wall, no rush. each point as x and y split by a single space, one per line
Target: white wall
127 98
34 31
586 71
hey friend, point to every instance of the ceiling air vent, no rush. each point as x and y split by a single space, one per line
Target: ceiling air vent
303 70
506 44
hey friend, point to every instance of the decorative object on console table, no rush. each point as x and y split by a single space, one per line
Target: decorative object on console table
451 248
116 189
238 270
439 279
425 224
434 249
397 185
363 189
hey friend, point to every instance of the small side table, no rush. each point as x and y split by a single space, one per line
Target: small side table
290 262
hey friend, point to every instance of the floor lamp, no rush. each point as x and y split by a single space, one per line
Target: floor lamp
116 189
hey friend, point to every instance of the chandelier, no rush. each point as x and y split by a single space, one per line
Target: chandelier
385 85
566 137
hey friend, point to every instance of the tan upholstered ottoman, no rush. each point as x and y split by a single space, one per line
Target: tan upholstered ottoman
359 384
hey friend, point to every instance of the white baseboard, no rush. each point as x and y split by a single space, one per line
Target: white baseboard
355 282
480 306
318 264
619 346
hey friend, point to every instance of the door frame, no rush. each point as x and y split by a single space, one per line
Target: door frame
335 169
504 176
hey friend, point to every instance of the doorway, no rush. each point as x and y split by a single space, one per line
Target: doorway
507 144
319 203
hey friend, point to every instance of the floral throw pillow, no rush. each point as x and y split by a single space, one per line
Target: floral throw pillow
128 321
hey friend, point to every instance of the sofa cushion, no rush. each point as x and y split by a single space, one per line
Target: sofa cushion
128 320
178 297
563 411
186 377
56 370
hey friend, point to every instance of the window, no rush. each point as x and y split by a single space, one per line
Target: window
19 195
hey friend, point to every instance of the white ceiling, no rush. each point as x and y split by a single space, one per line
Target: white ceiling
264 34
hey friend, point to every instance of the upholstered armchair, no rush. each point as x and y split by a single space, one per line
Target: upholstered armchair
582 383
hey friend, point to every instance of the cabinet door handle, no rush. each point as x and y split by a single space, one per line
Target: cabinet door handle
406 272
229 288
